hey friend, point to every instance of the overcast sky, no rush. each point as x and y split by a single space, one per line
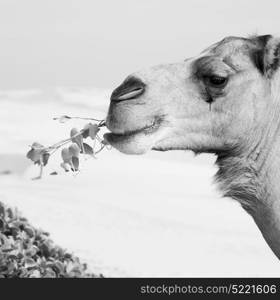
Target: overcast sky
97 43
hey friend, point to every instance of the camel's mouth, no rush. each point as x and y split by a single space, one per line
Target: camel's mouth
133 141
148 129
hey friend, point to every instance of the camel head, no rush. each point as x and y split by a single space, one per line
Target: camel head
224 101
209 103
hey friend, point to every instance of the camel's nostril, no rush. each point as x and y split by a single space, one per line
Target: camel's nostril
131 88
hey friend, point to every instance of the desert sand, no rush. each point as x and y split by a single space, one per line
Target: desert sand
153 215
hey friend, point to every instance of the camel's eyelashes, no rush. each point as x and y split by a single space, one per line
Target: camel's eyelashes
216 81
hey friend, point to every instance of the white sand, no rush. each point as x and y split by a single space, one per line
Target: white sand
152 215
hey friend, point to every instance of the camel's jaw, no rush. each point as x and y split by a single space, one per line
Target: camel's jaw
137 141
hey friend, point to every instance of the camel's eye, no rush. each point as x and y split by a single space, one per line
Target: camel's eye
216 81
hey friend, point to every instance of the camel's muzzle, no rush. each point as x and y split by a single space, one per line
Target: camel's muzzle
130 89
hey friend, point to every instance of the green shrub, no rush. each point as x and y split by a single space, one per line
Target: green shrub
26 251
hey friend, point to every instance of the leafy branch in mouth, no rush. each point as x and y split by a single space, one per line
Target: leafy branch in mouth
40 154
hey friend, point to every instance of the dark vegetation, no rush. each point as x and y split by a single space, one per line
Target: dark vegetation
29 252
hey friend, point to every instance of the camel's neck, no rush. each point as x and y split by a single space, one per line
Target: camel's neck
252 177
258 194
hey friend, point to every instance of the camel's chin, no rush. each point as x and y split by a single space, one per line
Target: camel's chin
138 143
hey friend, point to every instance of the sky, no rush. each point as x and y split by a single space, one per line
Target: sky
98 43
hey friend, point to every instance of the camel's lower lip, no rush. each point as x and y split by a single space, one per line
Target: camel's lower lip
113 138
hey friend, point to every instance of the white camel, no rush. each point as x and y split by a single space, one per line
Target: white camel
225 101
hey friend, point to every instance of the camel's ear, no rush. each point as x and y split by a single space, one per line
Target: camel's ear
267 57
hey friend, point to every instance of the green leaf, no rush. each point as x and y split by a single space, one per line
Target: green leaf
76 137
58 266
46 249
32 251
30 231
35 274
93 130
13 254
30 263
66 155
63 119
50 273
10 213
85 133
2 210
36 145
14 231
74 150
66 167
45 158
11 266
88 149
2 224
75 162
69 267
34 155
6 244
